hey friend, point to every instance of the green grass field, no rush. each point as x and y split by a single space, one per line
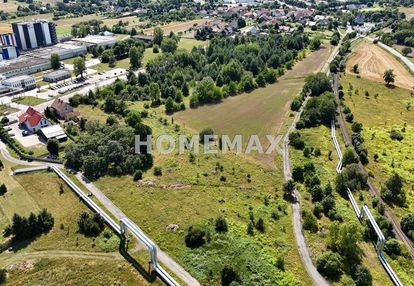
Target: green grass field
4 108
383 110
28 100
76 271
35 191
92 113
195 194
261 111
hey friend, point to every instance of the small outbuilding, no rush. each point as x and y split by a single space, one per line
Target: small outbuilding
53 132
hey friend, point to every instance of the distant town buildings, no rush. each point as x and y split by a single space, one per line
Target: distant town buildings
34 34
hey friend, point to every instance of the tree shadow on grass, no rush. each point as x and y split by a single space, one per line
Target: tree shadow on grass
149 275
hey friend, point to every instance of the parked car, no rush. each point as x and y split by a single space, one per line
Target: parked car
25 133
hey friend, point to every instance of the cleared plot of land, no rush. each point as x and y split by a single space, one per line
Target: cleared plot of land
259 112
8 7
384 110
176 26
372 61
92 113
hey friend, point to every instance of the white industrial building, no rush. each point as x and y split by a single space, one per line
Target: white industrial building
23 65
65 51
56 76
25 82
39 60
97 41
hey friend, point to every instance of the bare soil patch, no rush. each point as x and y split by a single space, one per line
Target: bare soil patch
372 61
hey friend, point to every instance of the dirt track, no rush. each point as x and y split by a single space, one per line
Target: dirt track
373 61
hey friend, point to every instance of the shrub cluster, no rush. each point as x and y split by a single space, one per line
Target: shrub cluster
23 228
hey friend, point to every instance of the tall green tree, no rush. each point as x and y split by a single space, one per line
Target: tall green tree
389 76
79 66
135 57
53 147
168 45
158 35
55 61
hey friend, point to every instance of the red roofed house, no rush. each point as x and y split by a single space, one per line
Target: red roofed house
33 120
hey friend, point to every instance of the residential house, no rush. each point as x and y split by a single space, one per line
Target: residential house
63 109
33 120
359 19
286 29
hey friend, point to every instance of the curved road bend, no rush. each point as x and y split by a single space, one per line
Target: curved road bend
173 266
373 190
296 216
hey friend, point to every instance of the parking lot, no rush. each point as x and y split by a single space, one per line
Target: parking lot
27 141
69 85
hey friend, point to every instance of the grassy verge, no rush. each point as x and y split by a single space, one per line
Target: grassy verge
77 271
4 108
28 100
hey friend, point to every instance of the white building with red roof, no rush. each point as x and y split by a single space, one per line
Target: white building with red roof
33 120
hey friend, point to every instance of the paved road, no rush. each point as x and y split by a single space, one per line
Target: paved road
373 190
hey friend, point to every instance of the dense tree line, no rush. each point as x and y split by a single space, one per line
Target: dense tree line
227 66
23 228
402 33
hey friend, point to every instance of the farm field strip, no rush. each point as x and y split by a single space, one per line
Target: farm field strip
372 61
